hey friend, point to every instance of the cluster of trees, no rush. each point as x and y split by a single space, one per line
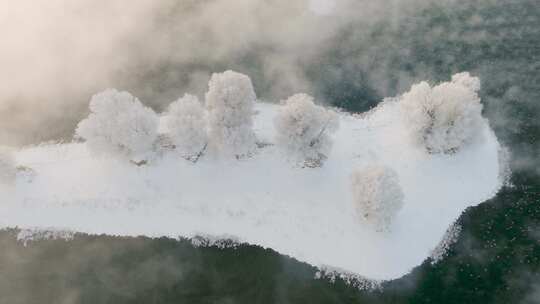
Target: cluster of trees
441 119
445 117
119 124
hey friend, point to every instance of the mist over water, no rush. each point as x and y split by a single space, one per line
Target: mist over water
55 54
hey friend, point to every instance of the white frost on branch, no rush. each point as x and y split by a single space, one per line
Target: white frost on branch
303 128
8 169
119 124
230 100
377 196
465 79
445 117
28 235
186 123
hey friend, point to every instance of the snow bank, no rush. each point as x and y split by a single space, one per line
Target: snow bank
380 204
7 166
306 213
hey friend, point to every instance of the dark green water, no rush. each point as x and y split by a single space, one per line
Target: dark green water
495 260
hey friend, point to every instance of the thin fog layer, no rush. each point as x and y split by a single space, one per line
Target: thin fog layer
349 53
55 54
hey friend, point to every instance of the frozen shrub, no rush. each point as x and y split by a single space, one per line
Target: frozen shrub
8 170
444 117
303 129
377 195
119 124
186 123
230 100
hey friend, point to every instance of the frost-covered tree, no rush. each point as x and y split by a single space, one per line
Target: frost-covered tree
465 79
377 195
8 169
230 100
303 129
444 117
186 123
119 124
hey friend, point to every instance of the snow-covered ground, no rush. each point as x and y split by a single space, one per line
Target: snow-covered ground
306 213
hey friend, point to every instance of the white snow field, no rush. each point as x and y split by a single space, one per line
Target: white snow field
306 213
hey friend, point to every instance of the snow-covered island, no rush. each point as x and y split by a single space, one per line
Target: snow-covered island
370 194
